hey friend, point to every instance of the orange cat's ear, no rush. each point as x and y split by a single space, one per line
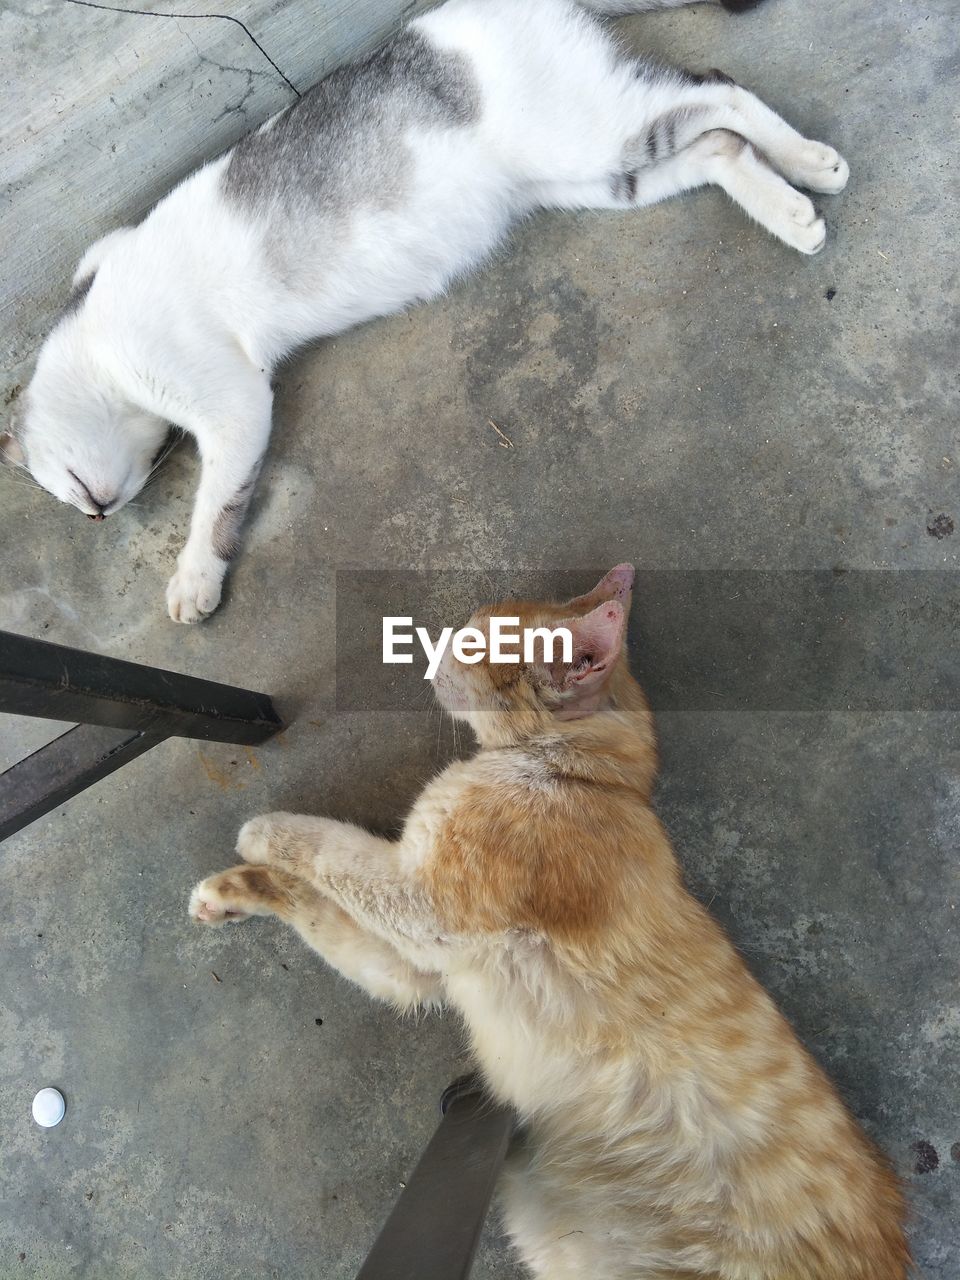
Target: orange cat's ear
597 646
615 585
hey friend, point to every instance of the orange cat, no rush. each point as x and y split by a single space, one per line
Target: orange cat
675 1127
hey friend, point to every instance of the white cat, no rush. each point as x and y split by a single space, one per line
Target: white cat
382 185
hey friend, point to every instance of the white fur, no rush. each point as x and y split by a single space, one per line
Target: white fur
189 313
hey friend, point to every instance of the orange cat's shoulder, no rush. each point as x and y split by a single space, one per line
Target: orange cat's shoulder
523 849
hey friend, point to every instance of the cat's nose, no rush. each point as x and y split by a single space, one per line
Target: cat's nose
100 515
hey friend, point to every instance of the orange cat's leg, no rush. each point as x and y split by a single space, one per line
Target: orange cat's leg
369 877
365 959
242 892
309 845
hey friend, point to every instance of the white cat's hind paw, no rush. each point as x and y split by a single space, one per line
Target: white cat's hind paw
193 593
821 168
788 214
803 228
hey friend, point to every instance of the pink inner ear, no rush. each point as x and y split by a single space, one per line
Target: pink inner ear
597 636
597 642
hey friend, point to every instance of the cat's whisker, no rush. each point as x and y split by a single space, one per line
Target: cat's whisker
425 690
177 437
23 478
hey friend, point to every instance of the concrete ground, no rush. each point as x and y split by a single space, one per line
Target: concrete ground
681 391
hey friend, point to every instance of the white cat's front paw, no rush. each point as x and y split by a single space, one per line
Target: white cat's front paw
821 168
194 590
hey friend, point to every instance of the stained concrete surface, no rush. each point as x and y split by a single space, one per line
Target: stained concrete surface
681 392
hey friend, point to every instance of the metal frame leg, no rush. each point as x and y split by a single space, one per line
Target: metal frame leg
71 763
123 709
434 1228
57 683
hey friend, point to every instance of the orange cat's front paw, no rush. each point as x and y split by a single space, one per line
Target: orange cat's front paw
254 843
221 899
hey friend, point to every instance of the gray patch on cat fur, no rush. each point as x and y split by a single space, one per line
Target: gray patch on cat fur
713 76
226 530
75 301
667 135
342 144
624 185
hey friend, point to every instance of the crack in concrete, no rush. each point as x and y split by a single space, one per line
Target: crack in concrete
237 108
226 17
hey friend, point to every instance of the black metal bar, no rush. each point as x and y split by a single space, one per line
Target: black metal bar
434 1229
77 759
41 679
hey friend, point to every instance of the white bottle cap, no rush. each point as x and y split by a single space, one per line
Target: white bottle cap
48 1107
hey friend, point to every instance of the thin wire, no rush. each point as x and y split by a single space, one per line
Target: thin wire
147 13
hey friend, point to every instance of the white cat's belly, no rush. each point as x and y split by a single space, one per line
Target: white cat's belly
459 206
557 103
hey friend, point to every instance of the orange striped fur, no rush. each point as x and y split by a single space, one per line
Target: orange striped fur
675 1127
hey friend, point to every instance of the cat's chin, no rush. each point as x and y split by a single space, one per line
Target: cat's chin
459 709
449 697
